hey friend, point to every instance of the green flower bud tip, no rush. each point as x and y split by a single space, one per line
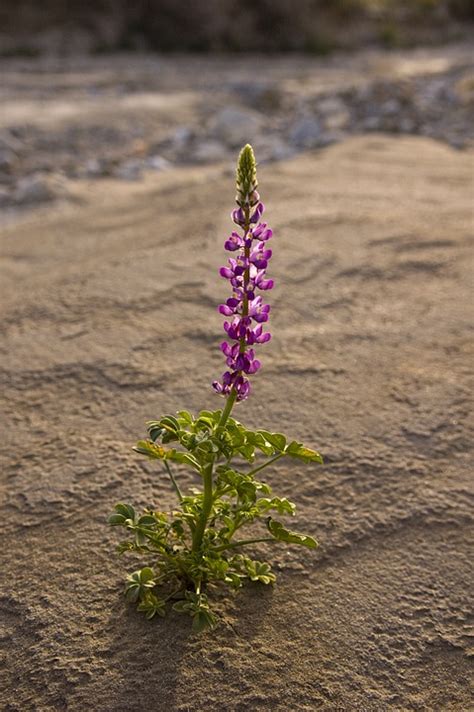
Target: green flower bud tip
246 177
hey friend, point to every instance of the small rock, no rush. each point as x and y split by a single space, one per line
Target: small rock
236 126
95 168
372 123
407 125
338 121
306 133
181 137
263 95
5 197
330 105
335 113
209 152
130 170
272 148
390 107
464 90
39 188
329 137
7 161
157 163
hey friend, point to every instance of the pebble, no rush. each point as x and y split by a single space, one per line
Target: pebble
272 148
182 137
157 163
236 126
38 188
7 161
5 197
131 170
261 95
306 133
95 168
209 151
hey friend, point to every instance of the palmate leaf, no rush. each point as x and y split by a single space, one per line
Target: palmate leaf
296 449
259 571
151 605
154 451
138 583
204 620
277 443
124 515
281 504
277 530
276 440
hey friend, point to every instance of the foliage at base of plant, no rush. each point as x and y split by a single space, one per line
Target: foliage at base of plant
200 543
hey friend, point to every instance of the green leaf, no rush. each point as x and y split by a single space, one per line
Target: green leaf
203 620
116 520
259 441
277 440
125 510
281 504
204 421
233 580
248 452
154 429
137 583
169 422
146 575
182 457
185 417
259 571
301 452
277 530
152 605
145 447
182 606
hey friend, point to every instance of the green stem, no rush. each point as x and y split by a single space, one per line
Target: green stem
178 492
227 408
243 542
265 464
206 507
208 499
173 482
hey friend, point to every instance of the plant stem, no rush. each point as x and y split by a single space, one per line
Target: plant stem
266 464
198 533
173 481
243 542
227 408
206 506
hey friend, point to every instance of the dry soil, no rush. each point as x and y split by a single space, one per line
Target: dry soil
109 319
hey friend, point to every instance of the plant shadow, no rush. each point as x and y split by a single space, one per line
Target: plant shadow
148 659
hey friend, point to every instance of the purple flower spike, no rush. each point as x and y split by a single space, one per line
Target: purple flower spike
246 273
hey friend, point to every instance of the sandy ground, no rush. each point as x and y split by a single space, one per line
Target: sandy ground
109 319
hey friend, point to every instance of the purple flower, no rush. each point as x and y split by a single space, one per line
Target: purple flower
245 309
234 242
259 256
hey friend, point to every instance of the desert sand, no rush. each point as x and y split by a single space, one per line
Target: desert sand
109 318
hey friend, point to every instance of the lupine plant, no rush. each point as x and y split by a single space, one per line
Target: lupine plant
199 544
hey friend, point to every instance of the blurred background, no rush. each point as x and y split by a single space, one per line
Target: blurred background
116 89
316 26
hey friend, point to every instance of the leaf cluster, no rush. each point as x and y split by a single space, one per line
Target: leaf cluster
199 544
